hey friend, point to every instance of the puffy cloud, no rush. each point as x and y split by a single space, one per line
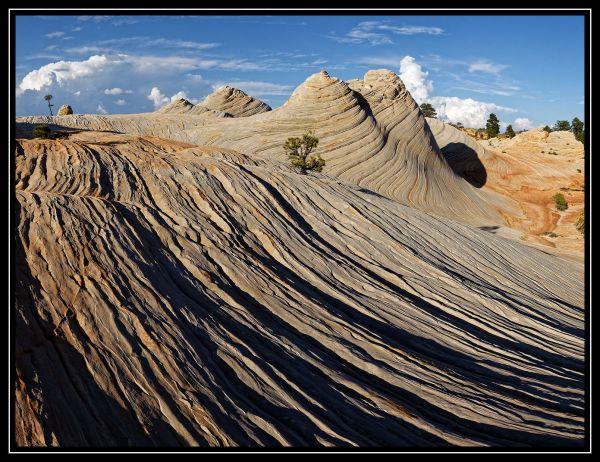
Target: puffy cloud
415 79
179 95
121 102
99 67
101 110
63 71
115 91
487 67
157 97
522 123
183 95
111 76
470 112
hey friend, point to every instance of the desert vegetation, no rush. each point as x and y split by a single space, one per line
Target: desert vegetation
428 110
492 126
560 203
299 149
42 131
580 223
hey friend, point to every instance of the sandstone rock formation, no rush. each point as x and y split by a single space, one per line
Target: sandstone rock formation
234 102
65 109
183 106
371 133
169 294
527 171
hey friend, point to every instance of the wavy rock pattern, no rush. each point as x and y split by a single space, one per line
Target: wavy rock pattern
183 106
371 133
177 295
234 102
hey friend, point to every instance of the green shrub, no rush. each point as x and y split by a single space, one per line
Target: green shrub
560 202
580 223
298 150
428 110
42 131
510 132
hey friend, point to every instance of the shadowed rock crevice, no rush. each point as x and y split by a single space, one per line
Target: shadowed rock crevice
464 162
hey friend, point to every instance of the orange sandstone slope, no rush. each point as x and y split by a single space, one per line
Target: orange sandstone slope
527 171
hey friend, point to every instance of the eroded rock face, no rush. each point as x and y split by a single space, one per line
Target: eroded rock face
371 133
234 102
172 295
65 109
183 106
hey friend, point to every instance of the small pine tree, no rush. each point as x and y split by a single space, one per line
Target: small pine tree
428 110
560 202
547 129
562 125
577 129
492 127
509 131
298 150
42 131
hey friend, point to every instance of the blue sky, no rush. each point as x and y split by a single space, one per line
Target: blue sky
529 70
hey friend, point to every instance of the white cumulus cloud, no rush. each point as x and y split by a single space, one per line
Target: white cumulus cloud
63 71
101 110
415 79
157 97
468 111
471 113
105 67
120 102
522 123
179 95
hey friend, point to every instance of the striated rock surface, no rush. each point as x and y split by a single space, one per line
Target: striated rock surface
176 295
183 106
370 132
65 109
234 102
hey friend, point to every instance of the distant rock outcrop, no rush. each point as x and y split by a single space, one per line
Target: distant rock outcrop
183 106
65 109
234 102
527 171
